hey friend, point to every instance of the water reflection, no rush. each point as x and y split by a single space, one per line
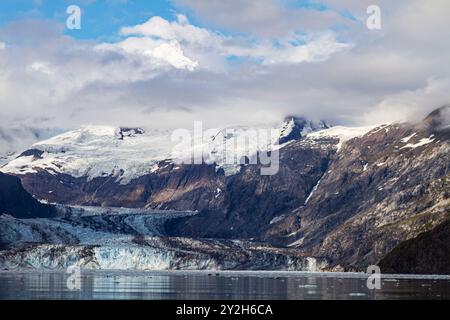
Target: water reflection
176 285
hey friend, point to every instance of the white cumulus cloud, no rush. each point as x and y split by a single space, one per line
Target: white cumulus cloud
207 45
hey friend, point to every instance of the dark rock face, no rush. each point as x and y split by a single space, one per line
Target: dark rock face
37 154
428 253
122 133
250 201
17 202
187 188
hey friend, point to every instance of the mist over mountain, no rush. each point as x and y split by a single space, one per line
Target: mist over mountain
16 139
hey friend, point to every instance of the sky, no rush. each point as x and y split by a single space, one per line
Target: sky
168 63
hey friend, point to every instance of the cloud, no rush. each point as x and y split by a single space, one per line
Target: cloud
263 18
167 74
411 103
181 30
314 48
202 44
41 67
153 53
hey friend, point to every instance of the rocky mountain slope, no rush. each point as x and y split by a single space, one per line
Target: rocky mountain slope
379 190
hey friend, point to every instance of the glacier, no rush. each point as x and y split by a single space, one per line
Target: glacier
130 239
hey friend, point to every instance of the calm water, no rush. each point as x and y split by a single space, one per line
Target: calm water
221 285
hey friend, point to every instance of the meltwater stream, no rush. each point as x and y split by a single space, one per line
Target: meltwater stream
112 285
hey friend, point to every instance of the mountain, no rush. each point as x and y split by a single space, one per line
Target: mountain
346 197
17 202
101 166
126 154
295 128
381 189
439 119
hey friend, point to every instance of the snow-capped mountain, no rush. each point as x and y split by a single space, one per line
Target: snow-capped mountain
129 153
346 197
95 151
296 127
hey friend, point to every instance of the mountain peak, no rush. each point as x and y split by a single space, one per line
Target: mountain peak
123 132
296 127
439 119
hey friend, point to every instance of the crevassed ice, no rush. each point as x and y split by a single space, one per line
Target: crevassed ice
96 151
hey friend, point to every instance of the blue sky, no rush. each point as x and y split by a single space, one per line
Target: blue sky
101 19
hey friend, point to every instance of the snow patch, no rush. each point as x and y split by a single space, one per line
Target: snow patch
296 243
277 219
312 192
405 140
342 133
287 129
422 142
